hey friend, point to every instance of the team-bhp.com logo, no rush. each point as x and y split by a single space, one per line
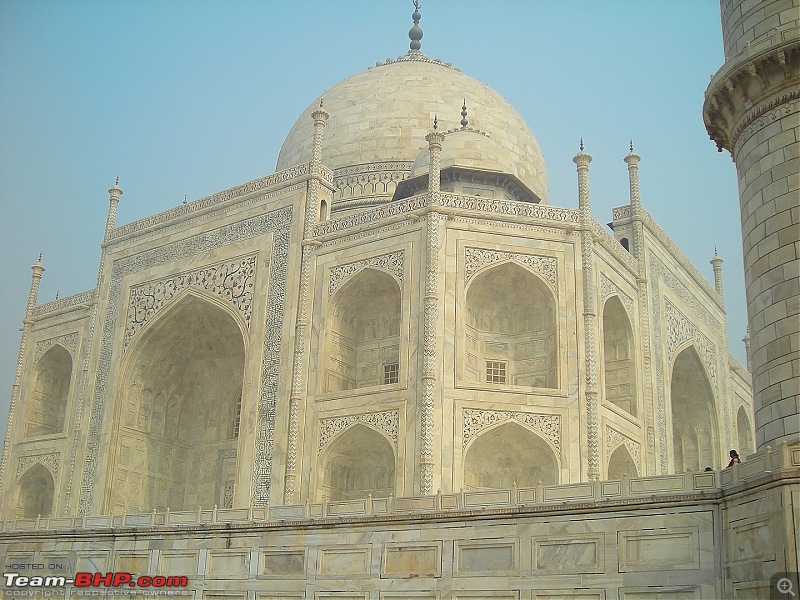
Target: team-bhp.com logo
96 580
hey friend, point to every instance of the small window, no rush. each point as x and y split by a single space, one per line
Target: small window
624 242
495 371
391 373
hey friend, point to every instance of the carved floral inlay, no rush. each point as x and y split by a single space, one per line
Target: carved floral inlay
68 341
477 258
231 281
50 461
614 438
680 329
386 421
392 262
549 426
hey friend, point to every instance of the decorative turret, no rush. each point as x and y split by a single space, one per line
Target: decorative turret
434 139
38 269
320 117
582 160
716 264
114 193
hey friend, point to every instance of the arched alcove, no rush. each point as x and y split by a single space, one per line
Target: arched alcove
360 461
47 401
35 493
744 432
621 463
510 330
178 400
506 455
694 430
362 342
618 363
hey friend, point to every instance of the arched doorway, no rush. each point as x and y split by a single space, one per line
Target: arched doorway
177 440
510 329
694 431
360 462
744 432
509 455
47 402
363 333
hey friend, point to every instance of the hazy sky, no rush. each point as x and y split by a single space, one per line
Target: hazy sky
193 97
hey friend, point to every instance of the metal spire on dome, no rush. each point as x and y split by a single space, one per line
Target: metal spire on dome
464 121
435 122
581 144
415 33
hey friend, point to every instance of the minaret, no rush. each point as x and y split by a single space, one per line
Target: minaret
752 109
582 160
431 341
27 322
296 399
716 264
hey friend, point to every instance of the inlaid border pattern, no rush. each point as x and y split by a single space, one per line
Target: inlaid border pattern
614 438
476 259
50 461
277 222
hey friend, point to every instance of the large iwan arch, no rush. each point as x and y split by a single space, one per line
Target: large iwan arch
176 440
362 341
509 455
694 423
511 329
47 402
358 462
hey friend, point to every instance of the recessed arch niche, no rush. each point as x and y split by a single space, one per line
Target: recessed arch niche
694 429
510 330
358 462
180 387
362 344
744 432
621 464
47 402
35 493
509 455
618 364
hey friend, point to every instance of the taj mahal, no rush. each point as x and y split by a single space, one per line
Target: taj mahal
392 369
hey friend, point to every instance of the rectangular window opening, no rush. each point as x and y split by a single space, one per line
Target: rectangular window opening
495 371
391 373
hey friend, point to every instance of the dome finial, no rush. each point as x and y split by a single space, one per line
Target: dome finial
415 33
581 144
631 145
464 121
435 122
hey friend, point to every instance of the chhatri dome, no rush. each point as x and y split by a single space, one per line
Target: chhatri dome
379 119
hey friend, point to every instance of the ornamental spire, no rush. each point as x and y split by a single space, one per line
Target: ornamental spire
464 121
415 33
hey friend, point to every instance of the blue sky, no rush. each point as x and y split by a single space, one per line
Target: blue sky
190 98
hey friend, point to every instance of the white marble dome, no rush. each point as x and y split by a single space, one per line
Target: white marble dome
379 119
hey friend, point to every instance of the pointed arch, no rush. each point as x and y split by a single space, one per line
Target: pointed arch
178 396
621 464
35 493
358 462
511 328
619 368
507 455
694 423
362 341
744 432
47 401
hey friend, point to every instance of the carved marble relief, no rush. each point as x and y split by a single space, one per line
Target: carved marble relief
548 426
232 281
614 438
386 421
477 258
51 462
609 288
68 342
392 262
